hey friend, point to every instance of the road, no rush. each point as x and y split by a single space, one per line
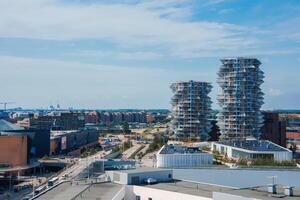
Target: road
70 173
129 152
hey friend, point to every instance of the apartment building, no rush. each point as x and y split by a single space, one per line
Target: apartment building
241 98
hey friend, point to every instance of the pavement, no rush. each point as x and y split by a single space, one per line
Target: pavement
80 164
148 160
129 152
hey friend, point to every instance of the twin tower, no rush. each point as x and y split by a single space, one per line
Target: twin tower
240 101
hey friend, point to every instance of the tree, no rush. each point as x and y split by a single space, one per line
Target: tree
125 127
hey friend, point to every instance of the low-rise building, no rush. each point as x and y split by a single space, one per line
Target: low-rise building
174 156
253 149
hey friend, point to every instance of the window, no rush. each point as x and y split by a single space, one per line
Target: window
170 175
138 198
149 198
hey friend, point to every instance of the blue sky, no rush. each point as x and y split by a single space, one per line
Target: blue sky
125 54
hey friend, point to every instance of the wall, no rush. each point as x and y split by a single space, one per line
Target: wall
145 192
13 150
160 176
184 160
124 178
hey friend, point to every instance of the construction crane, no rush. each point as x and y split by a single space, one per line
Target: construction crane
5 104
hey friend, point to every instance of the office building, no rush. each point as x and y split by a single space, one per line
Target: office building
173 156
240 99
191 109
273 128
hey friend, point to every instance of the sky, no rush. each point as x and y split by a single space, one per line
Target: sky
111 54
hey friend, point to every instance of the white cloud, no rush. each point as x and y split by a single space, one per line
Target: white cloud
129 25
226 11
275 92
125 55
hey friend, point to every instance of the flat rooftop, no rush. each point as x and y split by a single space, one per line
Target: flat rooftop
205 190
176 149
142 170
105 191
254 145
63 191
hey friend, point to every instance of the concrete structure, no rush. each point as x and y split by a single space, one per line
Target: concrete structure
140 175
13 150
191 108
241 98
170 156
253 149
273 129
165 188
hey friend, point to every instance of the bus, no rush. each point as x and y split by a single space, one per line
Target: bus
40 189
52 181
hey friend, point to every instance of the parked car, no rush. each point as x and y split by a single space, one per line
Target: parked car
150 181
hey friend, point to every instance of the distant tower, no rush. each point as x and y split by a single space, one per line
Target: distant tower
241 98
191 108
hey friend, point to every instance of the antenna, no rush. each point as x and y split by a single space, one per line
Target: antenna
273 179
5 104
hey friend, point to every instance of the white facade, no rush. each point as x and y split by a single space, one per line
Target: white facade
183 160
284 155
136 177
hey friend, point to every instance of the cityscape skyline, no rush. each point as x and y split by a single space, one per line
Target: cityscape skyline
126 58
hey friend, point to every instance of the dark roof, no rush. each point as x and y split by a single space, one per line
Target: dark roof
254 145
174 149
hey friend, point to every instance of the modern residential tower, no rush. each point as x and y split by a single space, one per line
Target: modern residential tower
240 99
191 107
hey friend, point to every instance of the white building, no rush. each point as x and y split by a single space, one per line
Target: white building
187 190
253 149
172 156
